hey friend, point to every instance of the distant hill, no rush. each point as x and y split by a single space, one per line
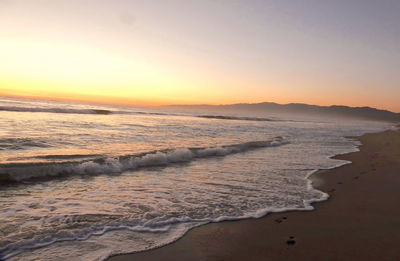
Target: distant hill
366 113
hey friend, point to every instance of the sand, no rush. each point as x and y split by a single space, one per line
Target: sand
360 221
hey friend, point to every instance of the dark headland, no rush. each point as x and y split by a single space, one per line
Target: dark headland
364 113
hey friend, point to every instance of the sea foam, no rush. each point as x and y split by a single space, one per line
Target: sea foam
15 172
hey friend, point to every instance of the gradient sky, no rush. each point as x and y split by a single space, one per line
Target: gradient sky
191 52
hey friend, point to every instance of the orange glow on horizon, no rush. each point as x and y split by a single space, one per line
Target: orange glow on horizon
156 103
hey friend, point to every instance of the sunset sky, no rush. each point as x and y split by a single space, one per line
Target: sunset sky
192 52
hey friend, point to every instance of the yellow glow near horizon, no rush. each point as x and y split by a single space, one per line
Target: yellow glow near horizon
80 72
47 67
60 70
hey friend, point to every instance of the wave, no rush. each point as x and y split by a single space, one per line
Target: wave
78 111
56 157
153 226
223 117
21 143
57 110
157 113
108 112
17 172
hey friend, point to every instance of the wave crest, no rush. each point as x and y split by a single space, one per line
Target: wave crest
16 172
224 117
55 110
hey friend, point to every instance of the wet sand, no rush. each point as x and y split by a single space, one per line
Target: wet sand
360 221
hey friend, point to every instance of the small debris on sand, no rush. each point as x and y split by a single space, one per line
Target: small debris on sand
291 242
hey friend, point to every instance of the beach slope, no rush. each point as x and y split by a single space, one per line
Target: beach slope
360 221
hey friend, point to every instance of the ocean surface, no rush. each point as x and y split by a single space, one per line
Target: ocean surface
83 182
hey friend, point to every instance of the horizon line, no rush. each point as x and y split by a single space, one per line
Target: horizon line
27 97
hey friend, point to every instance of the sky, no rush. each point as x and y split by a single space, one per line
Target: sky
202 52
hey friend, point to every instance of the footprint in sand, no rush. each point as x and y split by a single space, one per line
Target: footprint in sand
280 220
291 241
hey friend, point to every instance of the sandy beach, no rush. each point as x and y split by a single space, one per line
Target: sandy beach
360 221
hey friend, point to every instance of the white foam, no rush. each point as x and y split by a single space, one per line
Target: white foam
118 165
156 225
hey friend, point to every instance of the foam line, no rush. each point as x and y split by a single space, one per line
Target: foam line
16 172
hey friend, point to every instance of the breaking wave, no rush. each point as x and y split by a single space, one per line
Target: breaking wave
57 110
223 117
16 172
108 112
78 111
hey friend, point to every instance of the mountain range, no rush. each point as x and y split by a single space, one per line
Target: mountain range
366 113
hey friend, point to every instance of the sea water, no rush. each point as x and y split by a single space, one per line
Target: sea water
85 181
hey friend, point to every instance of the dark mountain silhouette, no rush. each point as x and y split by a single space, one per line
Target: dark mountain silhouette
366 113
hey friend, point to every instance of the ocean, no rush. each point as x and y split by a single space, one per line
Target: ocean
85 181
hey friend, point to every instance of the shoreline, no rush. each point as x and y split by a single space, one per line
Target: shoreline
357 222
